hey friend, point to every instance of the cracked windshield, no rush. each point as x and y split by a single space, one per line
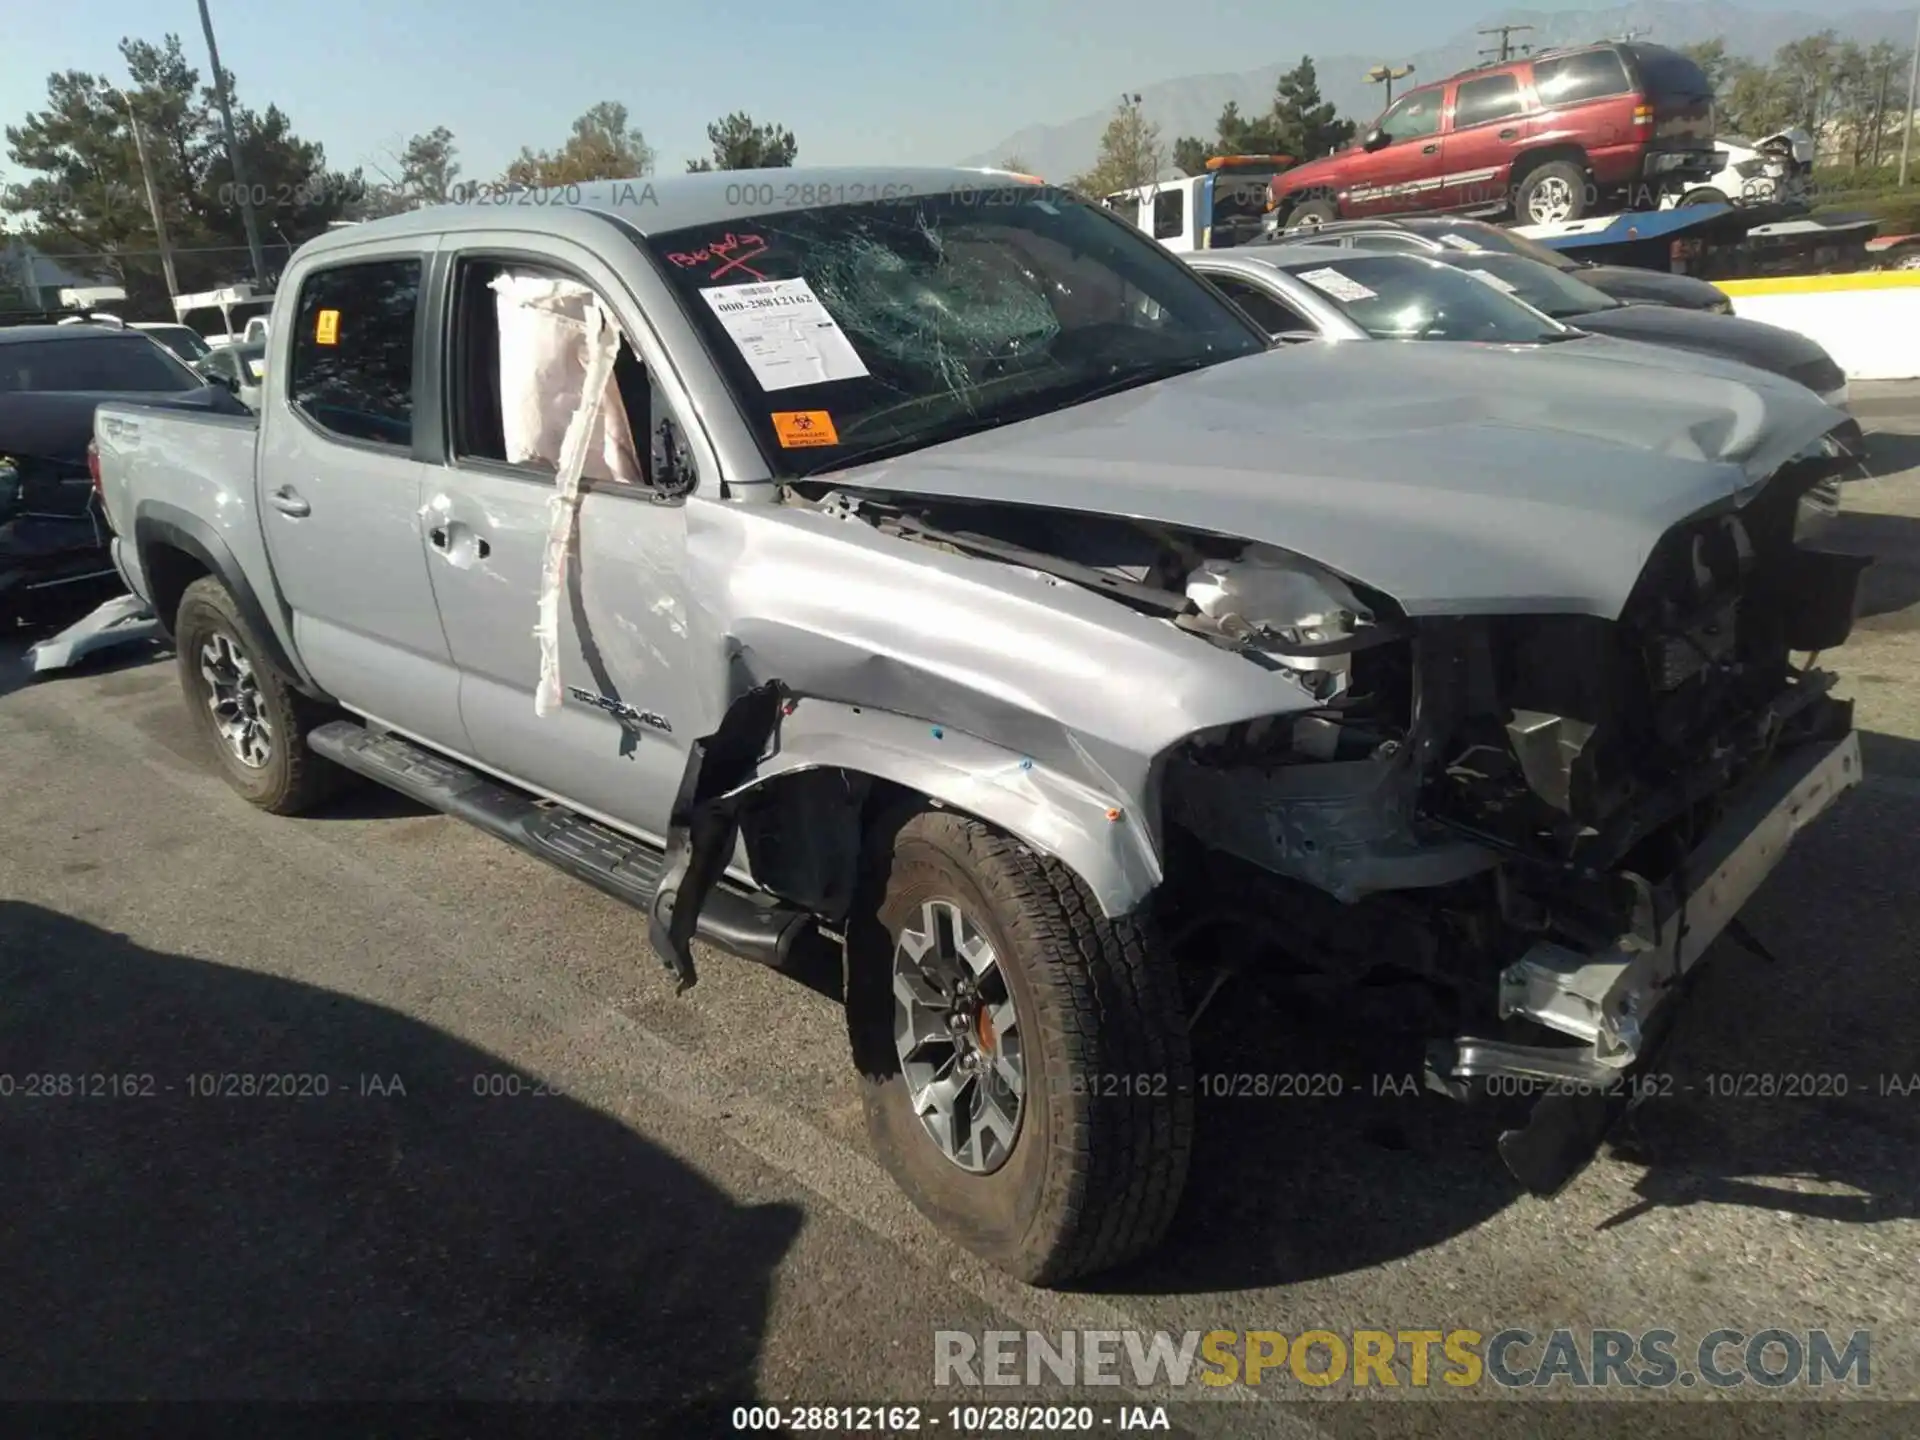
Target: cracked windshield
1030 719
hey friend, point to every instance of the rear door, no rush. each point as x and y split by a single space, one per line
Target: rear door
1584 100
341 491
1404 173
1485 131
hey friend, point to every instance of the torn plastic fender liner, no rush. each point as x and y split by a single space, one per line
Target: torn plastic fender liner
705 822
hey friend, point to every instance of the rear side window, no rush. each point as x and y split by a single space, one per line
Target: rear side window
118 363
1588 75
1669 75
1169 215
1269 314
1492 97
351 364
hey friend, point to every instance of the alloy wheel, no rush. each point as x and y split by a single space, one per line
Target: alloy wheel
1550 202
957 1035
233 695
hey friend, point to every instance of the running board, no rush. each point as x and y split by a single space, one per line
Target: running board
734 920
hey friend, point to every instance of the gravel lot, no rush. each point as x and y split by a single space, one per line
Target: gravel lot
687 1216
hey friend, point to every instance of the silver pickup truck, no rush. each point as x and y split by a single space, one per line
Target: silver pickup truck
927 564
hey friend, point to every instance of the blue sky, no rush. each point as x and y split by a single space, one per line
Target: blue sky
881 81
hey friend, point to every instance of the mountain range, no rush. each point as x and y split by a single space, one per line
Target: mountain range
1191 104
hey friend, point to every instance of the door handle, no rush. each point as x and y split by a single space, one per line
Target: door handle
442 538
1508 134
288 502
1430 149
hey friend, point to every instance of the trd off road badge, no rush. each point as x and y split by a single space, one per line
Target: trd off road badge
620 710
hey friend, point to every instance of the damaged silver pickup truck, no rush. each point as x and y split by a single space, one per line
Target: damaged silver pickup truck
928 561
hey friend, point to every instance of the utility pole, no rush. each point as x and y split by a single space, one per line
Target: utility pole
1386 75
1913 83
225 100
1506 47
153 195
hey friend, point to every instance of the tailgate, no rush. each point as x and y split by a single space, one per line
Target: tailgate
1680 96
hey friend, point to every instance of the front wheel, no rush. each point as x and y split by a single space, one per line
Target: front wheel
1028 1080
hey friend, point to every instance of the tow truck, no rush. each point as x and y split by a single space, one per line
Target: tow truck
1225 205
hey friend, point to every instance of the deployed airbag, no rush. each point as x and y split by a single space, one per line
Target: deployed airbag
559 406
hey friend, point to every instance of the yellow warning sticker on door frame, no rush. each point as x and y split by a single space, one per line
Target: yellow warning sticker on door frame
800 429
326 328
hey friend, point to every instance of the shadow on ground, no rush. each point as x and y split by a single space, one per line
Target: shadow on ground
441 1243
1891 585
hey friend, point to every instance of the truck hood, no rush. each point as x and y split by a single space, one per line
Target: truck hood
1458 479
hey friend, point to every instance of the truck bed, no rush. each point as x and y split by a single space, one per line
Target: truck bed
161 466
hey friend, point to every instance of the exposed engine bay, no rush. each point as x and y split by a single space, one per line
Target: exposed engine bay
1460 792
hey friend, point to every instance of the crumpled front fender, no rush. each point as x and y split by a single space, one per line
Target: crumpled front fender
1106 841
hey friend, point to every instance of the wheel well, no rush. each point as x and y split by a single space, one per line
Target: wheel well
169 571
812 835
1532 160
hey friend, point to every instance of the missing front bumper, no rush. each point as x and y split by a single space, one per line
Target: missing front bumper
1612 1000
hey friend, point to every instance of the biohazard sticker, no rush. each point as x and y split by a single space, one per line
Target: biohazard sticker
801 429
326 328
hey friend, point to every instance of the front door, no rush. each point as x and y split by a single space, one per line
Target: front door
341 493
1404 173
617 744
1486 132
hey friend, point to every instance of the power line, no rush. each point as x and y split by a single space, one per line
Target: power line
1506 48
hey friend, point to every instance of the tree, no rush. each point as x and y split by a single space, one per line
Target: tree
82 199
1130 153
1297 123
423 172
1807 69
602 146
1306 127
1714 62
1015 163
739 144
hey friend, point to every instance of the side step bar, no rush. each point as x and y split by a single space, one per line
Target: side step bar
748 926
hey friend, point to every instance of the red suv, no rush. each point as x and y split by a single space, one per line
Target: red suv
1549 137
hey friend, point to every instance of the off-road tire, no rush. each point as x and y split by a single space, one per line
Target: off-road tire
1317 211
1100 1159
1574 176
1703 195
294 779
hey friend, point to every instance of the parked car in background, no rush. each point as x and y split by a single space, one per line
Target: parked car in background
1427 235
183 340
1548 137
238 368
53 540
968 586
1776 169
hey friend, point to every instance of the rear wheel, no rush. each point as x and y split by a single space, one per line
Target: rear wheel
1705 195
1551 193
1028 1081
255 720
1312 214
